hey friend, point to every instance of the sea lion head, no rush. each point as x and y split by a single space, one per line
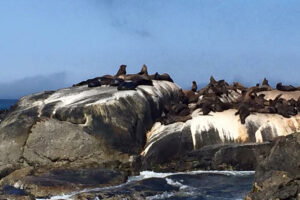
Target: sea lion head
265 82
144 70
194 86
212 80
122 70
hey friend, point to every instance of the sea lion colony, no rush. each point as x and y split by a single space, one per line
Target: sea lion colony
124 81
217 96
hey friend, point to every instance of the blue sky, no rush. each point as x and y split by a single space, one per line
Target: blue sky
54 43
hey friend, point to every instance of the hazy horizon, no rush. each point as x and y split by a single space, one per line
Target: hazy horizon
51 44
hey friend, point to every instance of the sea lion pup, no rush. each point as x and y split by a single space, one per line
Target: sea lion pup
121 71
288 88
194 86
144 70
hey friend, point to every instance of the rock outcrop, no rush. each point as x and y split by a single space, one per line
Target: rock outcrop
80 127
278 176
48 139
173 142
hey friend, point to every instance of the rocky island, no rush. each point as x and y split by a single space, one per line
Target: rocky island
102 130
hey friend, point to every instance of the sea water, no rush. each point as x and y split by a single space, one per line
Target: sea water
6 103
195 185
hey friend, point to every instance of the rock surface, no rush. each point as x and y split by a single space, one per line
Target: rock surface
171 142
80 130
278 176
79 127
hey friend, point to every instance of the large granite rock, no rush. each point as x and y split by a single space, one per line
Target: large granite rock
217 136
80 127
278 176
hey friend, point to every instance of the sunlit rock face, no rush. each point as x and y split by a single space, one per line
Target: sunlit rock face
81 123
168 142
224 127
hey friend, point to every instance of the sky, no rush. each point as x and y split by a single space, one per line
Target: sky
50 44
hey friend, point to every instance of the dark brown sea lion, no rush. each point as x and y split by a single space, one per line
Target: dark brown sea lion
121 71
243 112
288 88
238 86
94 83
137 79
165 77
116 81
212 80
126 85
194 86
144 70
191 96
265 82
285 110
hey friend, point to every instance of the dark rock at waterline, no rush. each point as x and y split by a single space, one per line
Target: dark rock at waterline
178 186
135 190
11 192
212 157
43 183
278 176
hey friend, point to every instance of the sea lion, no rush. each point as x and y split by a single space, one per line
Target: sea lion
116 81
126 85
161 77
144 70
212 80
94 83
194 86
191 96
243 112
285 110
265 82
288 88
121 71
181 109
239 86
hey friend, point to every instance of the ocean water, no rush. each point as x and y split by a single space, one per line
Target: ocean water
6 103
196 185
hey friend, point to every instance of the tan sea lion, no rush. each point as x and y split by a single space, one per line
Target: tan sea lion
144 70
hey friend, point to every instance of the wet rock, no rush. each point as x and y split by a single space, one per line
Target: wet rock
11 192
136 190
211 157
43 183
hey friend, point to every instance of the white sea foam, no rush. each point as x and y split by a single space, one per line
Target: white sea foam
161 196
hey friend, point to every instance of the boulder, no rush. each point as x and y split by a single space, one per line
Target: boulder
220 135
278 175
78 128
